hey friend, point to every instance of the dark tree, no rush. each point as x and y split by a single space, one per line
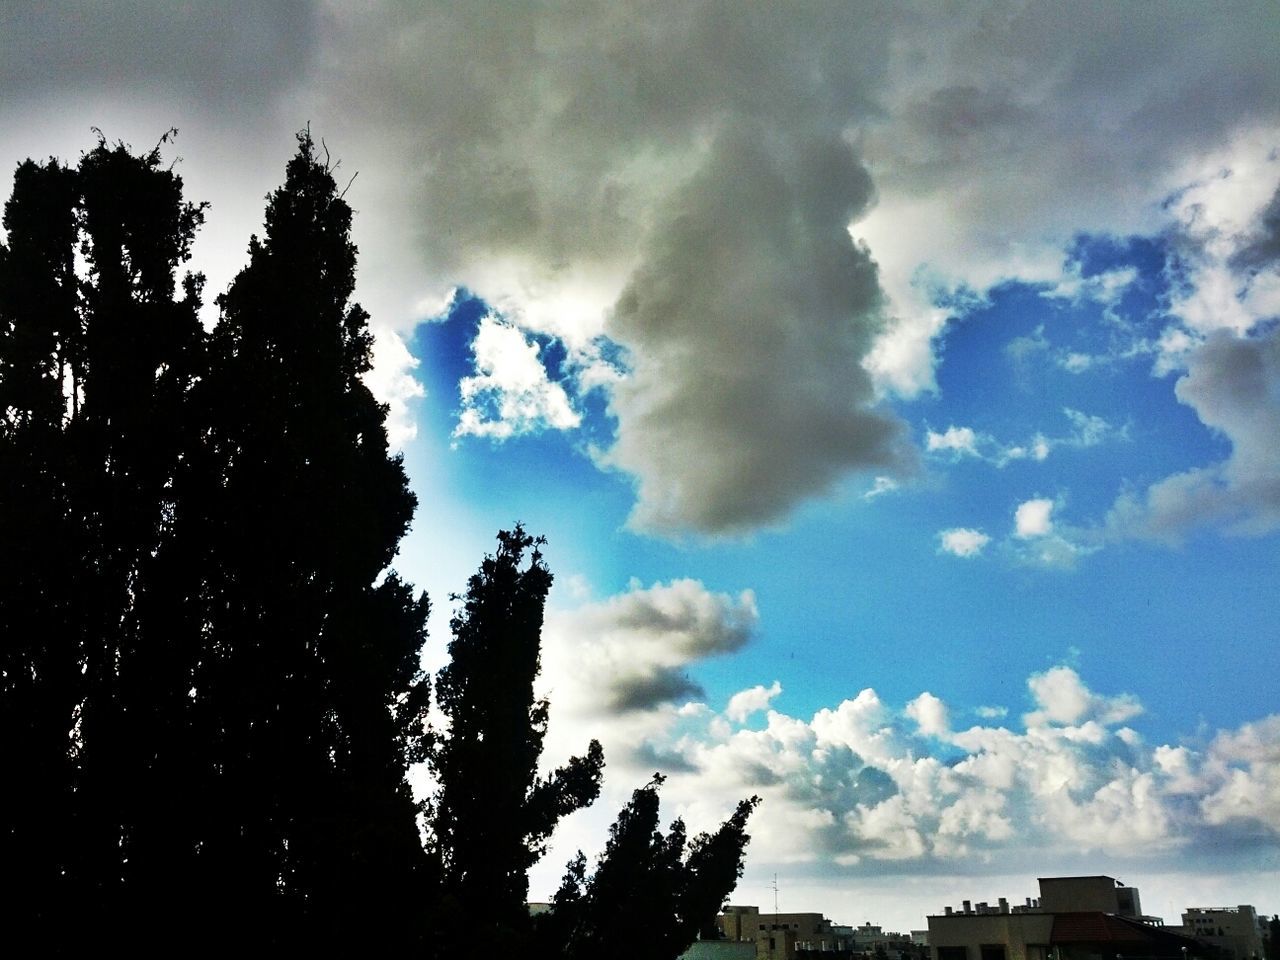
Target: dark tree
209 682
311 683
664 884
40 658
492 813
94 371
138 353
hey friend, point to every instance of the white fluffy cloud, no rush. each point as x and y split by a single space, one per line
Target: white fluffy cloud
930 714
959 440
963 541
510 393
1033 518
391 380
1062 698
746 702
863 784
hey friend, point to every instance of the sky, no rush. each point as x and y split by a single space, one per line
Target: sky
897 386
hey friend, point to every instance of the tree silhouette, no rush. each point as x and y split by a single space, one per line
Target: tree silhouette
40 657
313 688
94 369
492 813
665 885
209 684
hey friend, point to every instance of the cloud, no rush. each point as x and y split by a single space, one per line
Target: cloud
1105 288
880 487
930 714
1233 383
558 161
746 702
631 652
391 380
681 178
865 787
1225 343
511 393
962 442
962 541
748 317
1033 518
862 787
1246 766
1036 540
1063 698
1039 541
222 54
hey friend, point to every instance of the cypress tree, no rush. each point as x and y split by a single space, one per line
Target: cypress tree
209 682
40 678
94 369
312 681
492 812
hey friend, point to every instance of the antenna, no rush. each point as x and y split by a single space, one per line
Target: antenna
775 931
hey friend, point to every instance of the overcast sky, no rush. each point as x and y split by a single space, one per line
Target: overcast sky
898 385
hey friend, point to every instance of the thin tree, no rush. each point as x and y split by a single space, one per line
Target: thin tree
492 813
40 678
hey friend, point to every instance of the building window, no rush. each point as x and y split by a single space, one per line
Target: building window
992 951
952 953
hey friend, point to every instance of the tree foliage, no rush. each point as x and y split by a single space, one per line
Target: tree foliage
493 813
209 684
666 885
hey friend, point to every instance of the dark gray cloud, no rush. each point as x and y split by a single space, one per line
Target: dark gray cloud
225 54
674 176
651 689
748 317
1262 249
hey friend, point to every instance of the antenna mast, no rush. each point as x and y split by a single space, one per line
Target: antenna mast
773 938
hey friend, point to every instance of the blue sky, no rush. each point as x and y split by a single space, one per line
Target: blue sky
897 387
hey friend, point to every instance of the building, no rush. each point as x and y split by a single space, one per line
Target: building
1074 918
1236 932
778 936
1089 894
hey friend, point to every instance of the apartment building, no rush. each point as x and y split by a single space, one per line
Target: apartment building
1074 918
1237 932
